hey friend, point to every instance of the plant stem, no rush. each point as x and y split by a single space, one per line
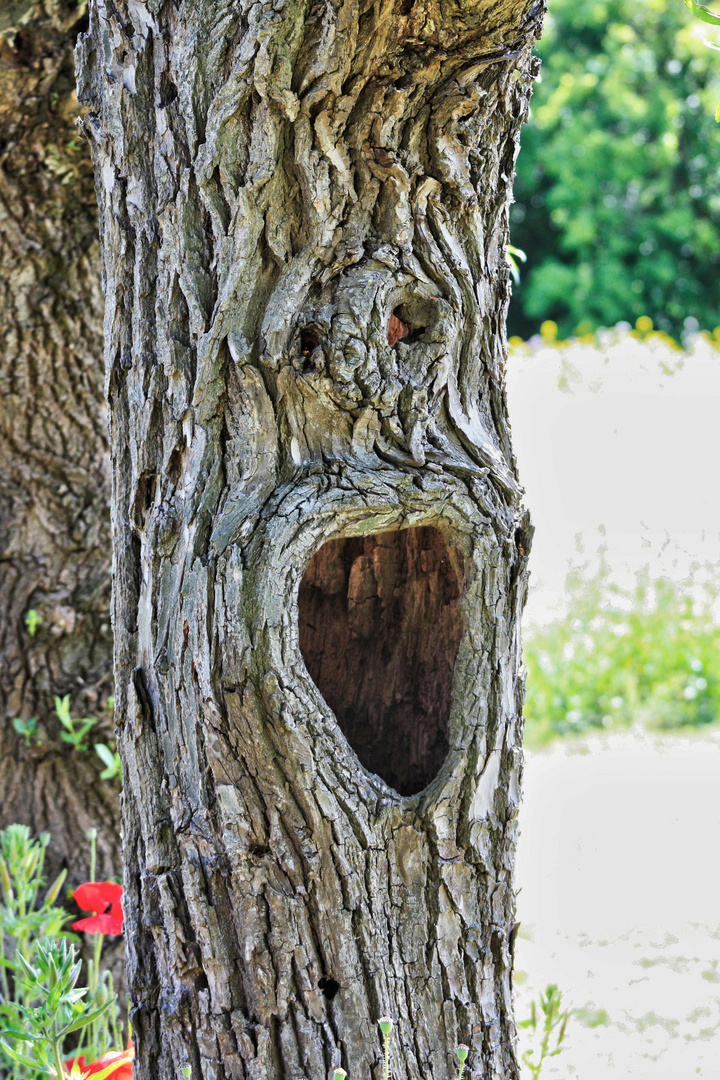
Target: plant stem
113 1015
387 1057
3 972
56 1053
94 983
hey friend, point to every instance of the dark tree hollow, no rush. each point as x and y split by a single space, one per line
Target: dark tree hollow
380 627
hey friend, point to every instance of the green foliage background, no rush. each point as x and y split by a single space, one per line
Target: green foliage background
647 655
618 179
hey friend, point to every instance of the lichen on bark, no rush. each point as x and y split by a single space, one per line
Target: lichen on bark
304 217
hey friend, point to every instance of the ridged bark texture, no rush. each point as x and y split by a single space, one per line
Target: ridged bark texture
304 219
54 475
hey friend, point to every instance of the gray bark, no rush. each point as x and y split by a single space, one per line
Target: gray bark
54 475
304 217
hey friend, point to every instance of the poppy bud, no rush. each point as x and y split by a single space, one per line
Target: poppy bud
6 883
52 894
386 1025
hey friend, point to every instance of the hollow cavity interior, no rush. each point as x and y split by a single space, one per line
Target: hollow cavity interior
379 631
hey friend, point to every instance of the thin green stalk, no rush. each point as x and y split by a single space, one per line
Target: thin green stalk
21 942
56 1053
386 1026
117 1042
3 971
93 990
462 1052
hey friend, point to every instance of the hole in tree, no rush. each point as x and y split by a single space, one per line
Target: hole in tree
23 44
329 986
379 631
309 341
402 327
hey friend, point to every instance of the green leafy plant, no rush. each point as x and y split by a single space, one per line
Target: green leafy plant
703 13
547 1023
32 621
40 1001
53 1008
111 761
649 654
707 16
26 919
512 254
617 201
72 734
26 728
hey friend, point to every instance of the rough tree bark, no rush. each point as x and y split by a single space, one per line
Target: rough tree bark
54 475
304 218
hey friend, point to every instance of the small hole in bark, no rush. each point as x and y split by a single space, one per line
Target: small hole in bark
174 465
259 850
402 328
144 498
168 90
397 329
329 987
309 341
379 631
23 44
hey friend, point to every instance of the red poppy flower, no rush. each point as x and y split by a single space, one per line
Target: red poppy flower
118 1065
104 898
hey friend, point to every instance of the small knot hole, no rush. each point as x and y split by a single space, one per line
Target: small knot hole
329 986
309 341
397 329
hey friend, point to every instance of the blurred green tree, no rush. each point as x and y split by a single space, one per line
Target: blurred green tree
618 183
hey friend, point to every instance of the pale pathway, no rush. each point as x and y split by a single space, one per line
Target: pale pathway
620 902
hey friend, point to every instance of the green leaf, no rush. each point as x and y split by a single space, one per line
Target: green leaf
21 1034
105 754
18 1057
703 13
32 621
62 710
87 1018
53 892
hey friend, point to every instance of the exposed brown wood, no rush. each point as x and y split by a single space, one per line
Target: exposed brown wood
379 627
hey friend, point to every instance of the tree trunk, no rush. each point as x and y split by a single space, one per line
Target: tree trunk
319 550
54 489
